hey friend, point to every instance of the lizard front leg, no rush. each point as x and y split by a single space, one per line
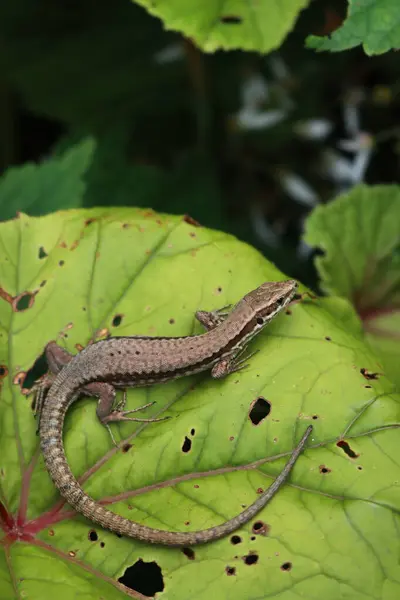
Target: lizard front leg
211 319
226 366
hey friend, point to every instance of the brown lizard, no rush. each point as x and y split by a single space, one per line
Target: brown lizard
141 361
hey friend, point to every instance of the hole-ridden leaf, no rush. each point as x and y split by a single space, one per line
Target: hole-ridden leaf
332 526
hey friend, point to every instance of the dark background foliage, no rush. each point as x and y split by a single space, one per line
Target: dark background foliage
168 133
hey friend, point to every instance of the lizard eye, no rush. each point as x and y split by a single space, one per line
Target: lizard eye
260 321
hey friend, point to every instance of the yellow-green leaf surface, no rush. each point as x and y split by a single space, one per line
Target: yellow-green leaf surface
233 24
359 234
331 532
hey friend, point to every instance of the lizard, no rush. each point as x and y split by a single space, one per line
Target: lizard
121 362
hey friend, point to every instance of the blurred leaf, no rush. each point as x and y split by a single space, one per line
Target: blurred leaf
256 26
359 234
54 184
373 23
327 533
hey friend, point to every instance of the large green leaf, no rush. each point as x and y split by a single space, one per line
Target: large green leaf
359 235
330 533
373 23
258 26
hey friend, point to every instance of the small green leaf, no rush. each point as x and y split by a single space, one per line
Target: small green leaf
54 184
332 529
255 26
359 235
373 23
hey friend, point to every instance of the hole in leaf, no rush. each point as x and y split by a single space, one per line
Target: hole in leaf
231 20
236 539
187 445
324 470
116 322
368 375
192 432
261 528
347 449
38 369
260 410
143 577
189 553
24 301
3 371
230 570
126 447
287 566
250 559
42 253
93 537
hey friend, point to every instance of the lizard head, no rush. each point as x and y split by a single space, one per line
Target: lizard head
265 302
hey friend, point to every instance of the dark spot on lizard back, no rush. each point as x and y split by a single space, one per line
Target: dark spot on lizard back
260 409
143 577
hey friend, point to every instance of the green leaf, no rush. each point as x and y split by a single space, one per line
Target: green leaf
330 532
359 234
54 184
373 23
257 26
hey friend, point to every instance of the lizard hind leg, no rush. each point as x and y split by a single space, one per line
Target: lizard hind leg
56 358
110 412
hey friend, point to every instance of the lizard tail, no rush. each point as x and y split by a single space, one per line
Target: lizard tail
51 428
